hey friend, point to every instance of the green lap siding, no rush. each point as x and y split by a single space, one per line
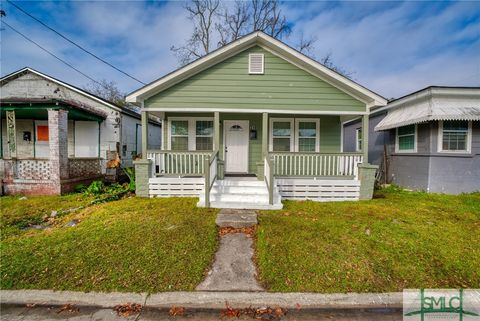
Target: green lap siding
228 85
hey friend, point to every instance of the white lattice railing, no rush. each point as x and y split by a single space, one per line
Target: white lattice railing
178 162
316 164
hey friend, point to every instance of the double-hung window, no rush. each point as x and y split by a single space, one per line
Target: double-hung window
299 135
282 135
358 140
179 134
306 133
203 135
454 136
191 134
406 141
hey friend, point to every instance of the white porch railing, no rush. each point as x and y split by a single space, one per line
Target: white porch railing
316 164
211 165
269 178
166 162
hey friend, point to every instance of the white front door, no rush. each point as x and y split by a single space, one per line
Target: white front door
236 134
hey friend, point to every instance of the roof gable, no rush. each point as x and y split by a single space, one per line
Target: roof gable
228 85
268 43
25 71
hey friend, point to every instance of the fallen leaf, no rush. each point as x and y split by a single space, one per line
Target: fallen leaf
174 311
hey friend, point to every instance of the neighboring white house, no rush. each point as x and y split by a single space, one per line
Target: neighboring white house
44 120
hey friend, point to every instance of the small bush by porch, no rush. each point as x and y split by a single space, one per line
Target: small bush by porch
398 240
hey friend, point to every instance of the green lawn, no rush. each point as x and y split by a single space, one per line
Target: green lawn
132 244
398 240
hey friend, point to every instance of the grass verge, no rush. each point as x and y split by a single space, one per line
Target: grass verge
399 240
134 244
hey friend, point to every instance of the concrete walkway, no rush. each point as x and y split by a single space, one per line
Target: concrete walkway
233 269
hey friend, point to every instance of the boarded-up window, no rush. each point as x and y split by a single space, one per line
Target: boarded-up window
42 133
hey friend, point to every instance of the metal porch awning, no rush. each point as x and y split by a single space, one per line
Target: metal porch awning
418 114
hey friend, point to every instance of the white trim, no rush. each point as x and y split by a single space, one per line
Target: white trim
341 137
81 92
317 132
292 132
357 148
250 72
415 136
428 93
468 142
191 130
255 111
225 143
257 38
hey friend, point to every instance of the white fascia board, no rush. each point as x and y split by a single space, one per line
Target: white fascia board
334 77
253 111
279 49
192 68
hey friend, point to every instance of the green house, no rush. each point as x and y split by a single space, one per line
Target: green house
251 123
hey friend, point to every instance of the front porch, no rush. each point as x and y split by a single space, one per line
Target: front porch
255 160
48 147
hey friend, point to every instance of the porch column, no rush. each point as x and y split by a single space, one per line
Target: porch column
11 133
216 130
164 134
144 134
365 138
264 135
366 171
58 145
261 164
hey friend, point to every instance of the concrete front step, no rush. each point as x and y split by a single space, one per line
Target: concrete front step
242 198
246 206
228 182
237 219
219 189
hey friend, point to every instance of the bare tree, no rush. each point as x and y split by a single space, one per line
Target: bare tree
327 61
217 22
203 13
107 90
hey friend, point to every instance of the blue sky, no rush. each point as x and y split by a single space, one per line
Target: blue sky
390 47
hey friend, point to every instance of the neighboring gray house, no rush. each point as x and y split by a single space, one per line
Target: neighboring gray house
55 136
431 138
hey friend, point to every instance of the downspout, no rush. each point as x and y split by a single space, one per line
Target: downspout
34 138
136 139
1 135
99 122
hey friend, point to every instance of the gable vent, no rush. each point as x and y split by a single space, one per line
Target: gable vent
255 64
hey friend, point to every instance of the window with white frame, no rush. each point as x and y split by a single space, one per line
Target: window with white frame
203 135
179 134
455 136
289 134
307 134
282 135
406 139
358 140
187 133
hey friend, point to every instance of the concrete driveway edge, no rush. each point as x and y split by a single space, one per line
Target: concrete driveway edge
205 300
